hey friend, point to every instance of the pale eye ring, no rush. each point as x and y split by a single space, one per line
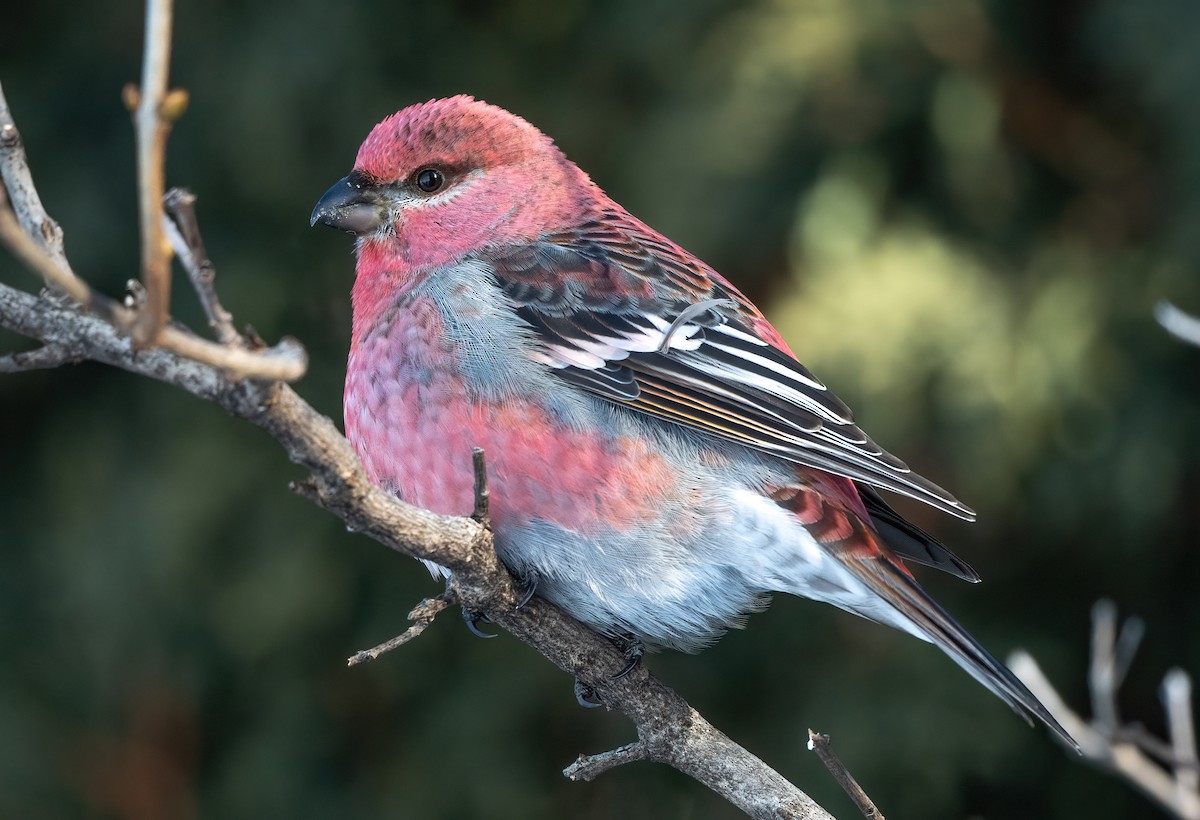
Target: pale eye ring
430 180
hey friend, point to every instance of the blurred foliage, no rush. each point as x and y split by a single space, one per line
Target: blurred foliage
959 213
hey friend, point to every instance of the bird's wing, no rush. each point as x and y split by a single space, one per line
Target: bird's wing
622 312
910 541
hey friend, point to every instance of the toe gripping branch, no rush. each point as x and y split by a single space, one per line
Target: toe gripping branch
526 584
632 649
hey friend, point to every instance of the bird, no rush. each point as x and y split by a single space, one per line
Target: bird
659 461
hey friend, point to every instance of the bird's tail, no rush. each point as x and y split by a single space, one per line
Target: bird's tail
888 579
887 593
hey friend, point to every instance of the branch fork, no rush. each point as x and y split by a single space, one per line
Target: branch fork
1128 750
37 240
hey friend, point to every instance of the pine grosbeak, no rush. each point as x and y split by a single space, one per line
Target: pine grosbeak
658 459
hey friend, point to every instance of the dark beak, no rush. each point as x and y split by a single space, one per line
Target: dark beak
355 204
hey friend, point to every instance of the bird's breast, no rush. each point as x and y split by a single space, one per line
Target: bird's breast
432 379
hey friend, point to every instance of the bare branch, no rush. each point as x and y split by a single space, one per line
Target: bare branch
152 126
1126 750
14 169
422 616
40 358
38 259
1177 702
1129 638
1181 325
183 232
26 219
1140 736
27 229
286 361
824 748
589 767
1102 678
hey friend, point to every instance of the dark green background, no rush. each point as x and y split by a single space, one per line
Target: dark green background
960 215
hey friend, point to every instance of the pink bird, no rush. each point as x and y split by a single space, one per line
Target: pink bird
659 461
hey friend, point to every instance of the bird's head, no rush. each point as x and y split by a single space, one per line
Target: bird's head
438 180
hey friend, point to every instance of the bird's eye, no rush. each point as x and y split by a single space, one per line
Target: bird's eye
430 180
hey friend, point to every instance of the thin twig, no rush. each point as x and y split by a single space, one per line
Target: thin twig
1155 747
1102 681
22 218
14 169
589 767
152 127
40 358
53 271
1181 325
422 616
1129 638
824 748
482 494
183 232
1177 702
287 361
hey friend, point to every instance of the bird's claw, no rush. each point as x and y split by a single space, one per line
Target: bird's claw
586 695
633 650
527 585
472 619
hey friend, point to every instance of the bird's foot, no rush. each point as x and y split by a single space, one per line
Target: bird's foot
586 696
527 584
632 649
473 619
